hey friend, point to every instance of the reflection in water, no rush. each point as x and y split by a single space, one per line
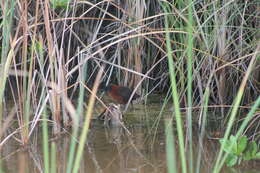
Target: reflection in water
111 150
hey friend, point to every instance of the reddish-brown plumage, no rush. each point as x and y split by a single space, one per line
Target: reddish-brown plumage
120 94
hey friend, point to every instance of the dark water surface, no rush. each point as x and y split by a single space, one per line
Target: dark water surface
112 150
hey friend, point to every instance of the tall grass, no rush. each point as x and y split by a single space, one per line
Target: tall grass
175 95
6 54
170 147
45 142
53 158
205 52
76 122
221 41
190 80
84 133
233 114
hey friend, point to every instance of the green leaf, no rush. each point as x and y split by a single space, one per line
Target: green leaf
221 141
242 143
257 155
253 148
231 160
226 146
233 142
247 156
250 151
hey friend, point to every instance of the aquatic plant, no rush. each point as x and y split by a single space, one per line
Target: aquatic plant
241 149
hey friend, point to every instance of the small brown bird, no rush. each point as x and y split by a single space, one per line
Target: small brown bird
120 94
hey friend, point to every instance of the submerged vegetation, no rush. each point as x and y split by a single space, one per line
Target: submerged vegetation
205 55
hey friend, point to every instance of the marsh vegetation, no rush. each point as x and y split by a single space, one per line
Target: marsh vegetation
201 60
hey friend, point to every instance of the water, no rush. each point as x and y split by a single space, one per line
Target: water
112 150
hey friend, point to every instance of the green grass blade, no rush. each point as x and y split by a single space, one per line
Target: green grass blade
242 128
6 54
202 127
175 93
76 125
45 142
89 111
235 108
53 158
170 147
189 83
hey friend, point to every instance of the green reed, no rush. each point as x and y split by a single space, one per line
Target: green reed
6 52
45 142
175 91
190 80
209 42
83 136
75 127
170 147
53 158
220 159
